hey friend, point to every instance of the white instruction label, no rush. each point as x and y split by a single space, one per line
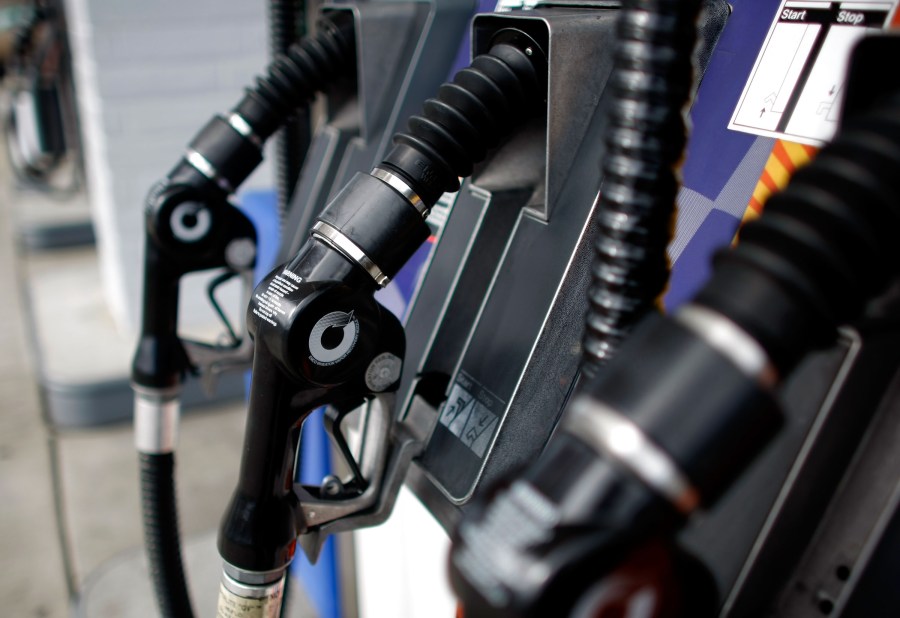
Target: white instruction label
795 89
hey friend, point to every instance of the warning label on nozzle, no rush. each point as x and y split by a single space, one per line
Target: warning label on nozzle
795 89
269 303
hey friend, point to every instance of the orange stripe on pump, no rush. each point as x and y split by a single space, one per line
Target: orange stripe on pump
800 154
760 194
778 172
781 154
755 205
785 159
766 178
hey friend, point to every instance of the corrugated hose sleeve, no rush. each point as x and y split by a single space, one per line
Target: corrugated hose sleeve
161 536
651 83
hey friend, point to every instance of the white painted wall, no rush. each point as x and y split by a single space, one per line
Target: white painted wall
148 76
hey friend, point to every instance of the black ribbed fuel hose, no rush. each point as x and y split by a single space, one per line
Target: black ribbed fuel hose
286 24
820 252
651 82
232 147
823 247
470 115
294 78
382 212
161 537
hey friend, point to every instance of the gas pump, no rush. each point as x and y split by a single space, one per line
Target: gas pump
302 303
570 462
321 338
511 272
667 426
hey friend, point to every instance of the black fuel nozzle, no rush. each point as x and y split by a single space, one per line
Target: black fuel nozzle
674 418
320 338
186 231
190 224
190 227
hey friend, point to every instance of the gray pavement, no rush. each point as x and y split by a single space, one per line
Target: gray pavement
33 582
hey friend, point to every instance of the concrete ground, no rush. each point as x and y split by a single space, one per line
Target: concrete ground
70 530
34 581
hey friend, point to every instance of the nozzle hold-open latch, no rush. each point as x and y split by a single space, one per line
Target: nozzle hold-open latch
387 447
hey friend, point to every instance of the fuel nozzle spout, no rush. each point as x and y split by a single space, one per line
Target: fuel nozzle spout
241 600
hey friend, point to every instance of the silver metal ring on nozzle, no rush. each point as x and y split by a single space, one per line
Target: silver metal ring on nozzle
239 124
731 341
200 163
240 577
155 423
335 239
239 599
613 434
399 185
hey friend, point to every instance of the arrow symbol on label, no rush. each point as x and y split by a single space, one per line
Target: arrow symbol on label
761 112
831 92
349 318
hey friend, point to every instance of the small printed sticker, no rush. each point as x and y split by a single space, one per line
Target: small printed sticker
794 91
468 414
